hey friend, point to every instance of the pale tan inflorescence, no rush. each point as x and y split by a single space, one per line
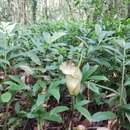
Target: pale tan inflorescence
73 77
80 127
102 128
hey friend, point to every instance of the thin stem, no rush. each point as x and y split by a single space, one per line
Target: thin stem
39 124
122 80
122 89
80 60
72 109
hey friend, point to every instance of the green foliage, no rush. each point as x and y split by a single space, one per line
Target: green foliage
101 116
29 70
5 97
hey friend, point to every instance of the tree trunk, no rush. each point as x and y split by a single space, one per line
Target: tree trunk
18 11
34 9
46 9
70 8
128 14
23 12
12 10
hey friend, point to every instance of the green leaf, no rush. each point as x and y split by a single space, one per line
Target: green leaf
52 117
101 36
38 85
126 125
34 58
59 109
31 115
14 86
6 62
82 103
87 71
93 87
102 116
26 68
84 112
121 42
17 107
127 82
22 114
41 99
127 45
16 79
107 88
99 78
111 49
5 97
126 106
128 116
54 89
127 62
98 29
55 37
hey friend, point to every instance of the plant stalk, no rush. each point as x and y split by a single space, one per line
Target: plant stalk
122 101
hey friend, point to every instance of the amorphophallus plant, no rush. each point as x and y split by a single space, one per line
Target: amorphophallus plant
73 77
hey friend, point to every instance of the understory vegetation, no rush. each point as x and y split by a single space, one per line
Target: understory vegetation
65 74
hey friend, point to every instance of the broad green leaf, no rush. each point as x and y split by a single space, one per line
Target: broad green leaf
12 120
87 71
41 99
91 49
126 106
128 116
52 117
127 82
13 49
55 37
99 78
121 42
6 62
17 107
93 87
34 58
84 112
16 79
127 62
38 85
38 106
98 29
54 89
101 36
5 97
22 114
107 88
31 115
26 68
102 61
15 87
126 125
59 109
102 116
111 49
82 103
127 45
